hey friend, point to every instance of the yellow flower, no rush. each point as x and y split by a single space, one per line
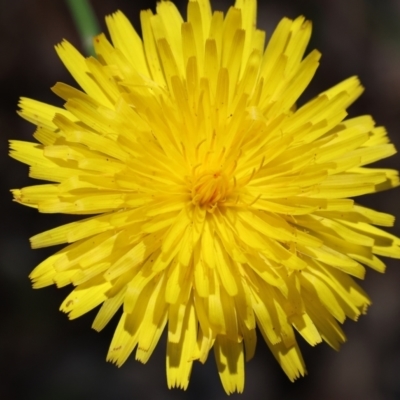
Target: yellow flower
218 206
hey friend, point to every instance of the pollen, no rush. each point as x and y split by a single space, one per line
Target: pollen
209 188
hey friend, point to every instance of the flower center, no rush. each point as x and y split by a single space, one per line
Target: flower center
209 188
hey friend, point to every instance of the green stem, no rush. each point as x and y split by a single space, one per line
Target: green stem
85 21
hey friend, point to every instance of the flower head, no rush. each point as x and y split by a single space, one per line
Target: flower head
217 205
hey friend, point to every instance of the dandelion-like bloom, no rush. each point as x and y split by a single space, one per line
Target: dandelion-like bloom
219 206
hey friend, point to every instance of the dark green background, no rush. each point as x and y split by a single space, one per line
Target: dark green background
44 356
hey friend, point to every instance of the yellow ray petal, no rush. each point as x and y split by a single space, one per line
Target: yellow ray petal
230 363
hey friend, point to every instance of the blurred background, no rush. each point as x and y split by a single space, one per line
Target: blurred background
45 356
